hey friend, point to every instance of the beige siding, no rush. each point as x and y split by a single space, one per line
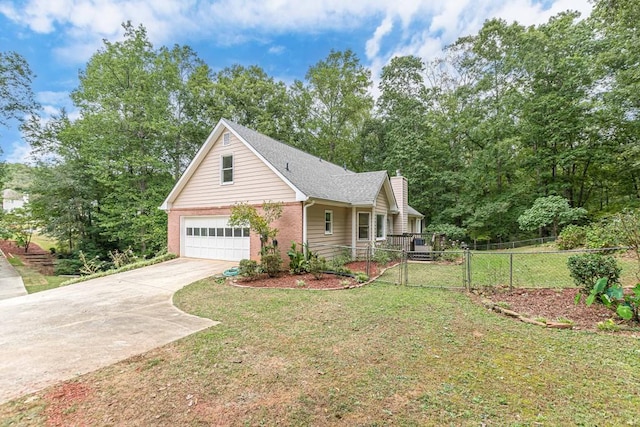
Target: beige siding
253 181
382 208
326 244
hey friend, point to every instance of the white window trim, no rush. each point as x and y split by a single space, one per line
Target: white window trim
330 222
384 226
368 227
233 166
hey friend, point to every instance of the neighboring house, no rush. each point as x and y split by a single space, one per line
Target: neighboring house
323 203
12 199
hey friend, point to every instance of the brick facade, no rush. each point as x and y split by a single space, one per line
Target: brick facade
289 227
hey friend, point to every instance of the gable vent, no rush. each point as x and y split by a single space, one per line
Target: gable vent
226 138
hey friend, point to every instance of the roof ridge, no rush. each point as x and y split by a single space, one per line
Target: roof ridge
299 150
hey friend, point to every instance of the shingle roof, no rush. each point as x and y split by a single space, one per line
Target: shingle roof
413 212
315 177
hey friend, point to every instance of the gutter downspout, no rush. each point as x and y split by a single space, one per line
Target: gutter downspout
304 225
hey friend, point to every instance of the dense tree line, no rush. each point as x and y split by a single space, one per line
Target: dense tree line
504 117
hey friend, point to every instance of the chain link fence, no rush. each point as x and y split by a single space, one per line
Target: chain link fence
467 269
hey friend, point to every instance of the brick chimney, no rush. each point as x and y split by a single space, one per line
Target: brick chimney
401 191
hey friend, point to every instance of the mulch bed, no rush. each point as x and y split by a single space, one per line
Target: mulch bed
553 305
10 249
308 281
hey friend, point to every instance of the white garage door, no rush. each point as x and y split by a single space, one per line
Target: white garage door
211 237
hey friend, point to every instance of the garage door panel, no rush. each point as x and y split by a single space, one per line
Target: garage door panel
211 237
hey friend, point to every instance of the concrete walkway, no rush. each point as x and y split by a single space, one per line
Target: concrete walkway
52 336
11 284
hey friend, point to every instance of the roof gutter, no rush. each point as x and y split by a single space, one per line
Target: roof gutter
304 223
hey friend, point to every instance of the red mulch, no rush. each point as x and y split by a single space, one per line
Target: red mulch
10 249
555 304
328 281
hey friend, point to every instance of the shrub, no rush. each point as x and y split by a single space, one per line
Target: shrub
586 269
317 266
271 261
338 261
602 235
381 256
69 266
248 268
298 263
361 277
572 236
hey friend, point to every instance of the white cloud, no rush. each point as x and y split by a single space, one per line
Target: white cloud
276 50
19 152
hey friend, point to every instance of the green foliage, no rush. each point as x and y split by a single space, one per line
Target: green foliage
608 326
451 231
317 266
245 215
16 96
629 305
381 256
298 263
361 278
67 266
337 262
331 107
549 211
139 264
248 268
270 261
587 269
20 224
90 266
603 234
571 237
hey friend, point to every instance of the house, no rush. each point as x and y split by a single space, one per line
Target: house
323 203
12 199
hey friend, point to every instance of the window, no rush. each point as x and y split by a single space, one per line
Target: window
245 232
227 169
228 232
363 225
212 232
226 139
189 231
196 231
380 234
203 232
237 232
328 222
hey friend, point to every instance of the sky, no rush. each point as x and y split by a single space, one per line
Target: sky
284 37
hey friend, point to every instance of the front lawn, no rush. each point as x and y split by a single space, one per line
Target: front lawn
377 355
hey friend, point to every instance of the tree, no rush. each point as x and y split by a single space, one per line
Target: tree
550 210
20 224
244 214
16 97
250 97
330 110
142 117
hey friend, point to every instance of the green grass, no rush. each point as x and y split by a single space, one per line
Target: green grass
43 241
373 356
34 281
530 270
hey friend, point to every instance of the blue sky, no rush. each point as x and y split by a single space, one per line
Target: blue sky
285 37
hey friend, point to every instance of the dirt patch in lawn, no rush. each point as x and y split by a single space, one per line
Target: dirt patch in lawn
553 305
63 402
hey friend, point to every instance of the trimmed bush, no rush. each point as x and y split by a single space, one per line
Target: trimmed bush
271 261
248 268
586 269
571 237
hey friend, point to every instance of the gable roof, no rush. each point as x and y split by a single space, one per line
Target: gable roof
308 175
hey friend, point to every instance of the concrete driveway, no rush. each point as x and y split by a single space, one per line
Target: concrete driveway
55 335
